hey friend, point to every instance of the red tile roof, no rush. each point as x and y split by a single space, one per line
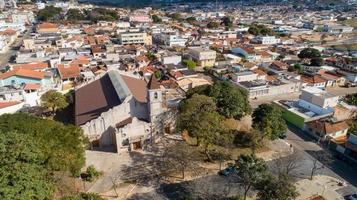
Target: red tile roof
32 86
313 79
31 66
8 104
23 73
47 25
68 71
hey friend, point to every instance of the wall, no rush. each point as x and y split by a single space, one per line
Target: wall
314 108
19 80
11 109
294 119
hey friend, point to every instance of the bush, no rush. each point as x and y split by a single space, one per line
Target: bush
92 174
191 65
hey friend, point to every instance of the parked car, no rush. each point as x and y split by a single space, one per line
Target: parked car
353 197
227 171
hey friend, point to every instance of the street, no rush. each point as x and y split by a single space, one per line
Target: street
6 57
309 151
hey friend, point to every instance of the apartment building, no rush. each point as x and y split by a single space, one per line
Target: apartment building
203 57
135 38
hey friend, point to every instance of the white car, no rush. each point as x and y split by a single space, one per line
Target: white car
353 197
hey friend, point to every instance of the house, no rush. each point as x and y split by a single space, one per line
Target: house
279 65
35 66
19 77
325 129
266 40
246 53
68 73
313 81
247 76
47 27
318 101
10 107
203 57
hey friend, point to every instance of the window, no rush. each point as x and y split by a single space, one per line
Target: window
155 95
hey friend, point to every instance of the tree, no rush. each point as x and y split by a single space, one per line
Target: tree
213 25
198 116
158 74
191 20
226 21
353 129
286 165
175 16
92 174
273 188
316 61
230 101
351 99
49 13
62 146
309 53
53 100
259 29
21 168
74 15
156 19
250 171
268 119
191 65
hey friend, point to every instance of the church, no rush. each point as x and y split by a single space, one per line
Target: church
123 111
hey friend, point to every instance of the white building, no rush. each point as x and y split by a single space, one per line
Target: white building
173 40
266 40
247 76
318 101
135 38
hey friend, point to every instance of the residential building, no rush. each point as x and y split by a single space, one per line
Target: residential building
135 38
203 57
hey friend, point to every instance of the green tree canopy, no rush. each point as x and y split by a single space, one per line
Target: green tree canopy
191 19
21 168
309 53
49 13
231 101
250 171
75 15
156 19
259 29
268 119
198 116
175 16
190 64
316 61
276 188
227 22
54 100
62 147
353 129
213 25
352 99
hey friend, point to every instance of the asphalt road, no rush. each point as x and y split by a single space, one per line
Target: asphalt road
309 151
5 57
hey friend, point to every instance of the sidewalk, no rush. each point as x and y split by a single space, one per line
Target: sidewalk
325 186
